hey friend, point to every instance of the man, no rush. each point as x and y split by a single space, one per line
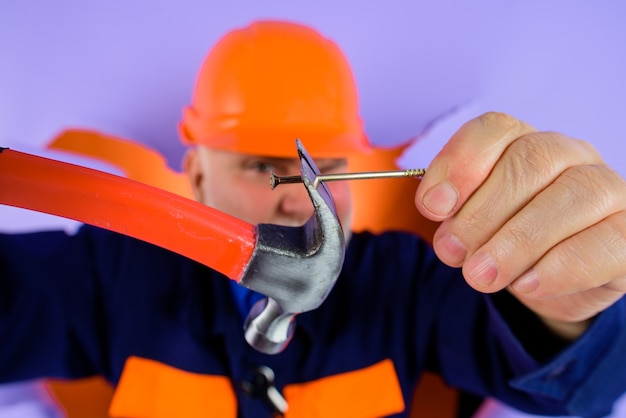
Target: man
517 223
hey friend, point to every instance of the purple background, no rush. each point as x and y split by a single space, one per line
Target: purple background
128 68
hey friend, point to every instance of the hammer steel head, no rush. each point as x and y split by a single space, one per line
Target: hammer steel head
296 267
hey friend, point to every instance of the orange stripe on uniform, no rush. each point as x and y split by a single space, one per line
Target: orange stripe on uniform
151 389
370 392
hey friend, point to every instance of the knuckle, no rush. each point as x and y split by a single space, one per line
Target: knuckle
539 152
524 236
500 120
532 153
596 185
552 156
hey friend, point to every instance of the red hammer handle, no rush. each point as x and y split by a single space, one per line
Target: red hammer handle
168 220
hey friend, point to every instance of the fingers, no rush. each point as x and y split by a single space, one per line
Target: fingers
594 258
538 211
520 211
567 239
572 284
465 162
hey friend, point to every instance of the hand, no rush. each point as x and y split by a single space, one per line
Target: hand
537 213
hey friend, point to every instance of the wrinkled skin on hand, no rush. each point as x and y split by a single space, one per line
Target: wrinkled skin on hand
537 213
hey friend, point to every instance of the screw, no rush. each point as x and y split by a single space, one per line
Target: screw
411 172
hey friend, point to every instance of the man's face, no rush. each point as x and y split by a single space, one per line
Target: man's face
238 184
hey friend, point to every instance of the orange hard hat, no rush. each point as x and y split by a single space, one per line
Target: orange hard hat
265 85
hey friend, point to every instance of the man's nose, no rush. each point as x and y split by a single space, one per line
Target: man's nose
295 203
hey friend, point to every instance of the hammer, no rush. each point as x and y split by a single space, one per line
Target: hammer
295 267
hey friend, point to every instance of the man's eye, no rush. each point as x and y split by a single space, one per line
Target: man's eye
262 167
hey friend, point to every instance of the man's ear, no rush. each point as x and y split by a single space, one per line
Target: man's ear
193 169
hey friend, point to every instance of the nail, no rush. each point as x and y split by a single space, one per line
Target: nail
441 199
451 250
527 283
366 175
482 269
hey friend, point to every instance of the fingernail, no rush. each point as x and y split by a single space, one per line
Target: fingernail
526 283
451 250
441 199
482 269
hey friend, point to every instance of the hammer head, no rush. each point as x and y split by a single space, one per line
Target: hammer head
295 267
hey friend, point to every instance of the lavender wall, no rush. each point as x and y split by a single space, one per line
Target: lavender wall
128 68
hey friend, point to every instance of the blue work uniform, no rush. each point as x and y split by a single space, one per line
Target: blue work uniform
93 302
